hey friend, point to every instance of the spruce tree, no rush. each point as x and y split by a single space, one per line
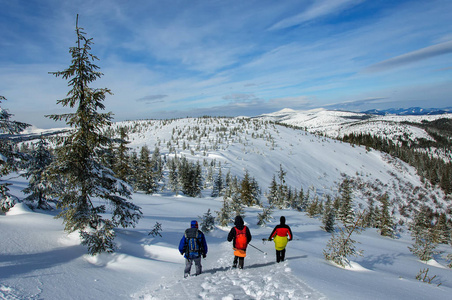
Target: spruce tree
423 235
345 212
77 166
329 216
265 216
207 222
173 181
218 185
121 166
272 194
8 155
224 214
341 246
385 220
38 186
146 179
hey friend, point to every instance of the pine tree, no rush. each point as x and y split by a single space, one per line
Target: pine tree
224 214
385 220
265 216
442 230
77 166
272 194
218 185
282 188
249 190
173 182
146 179
121 166
345 212
370 219
207 222
339 248
38 187
8 155
422 232
329 216
157 164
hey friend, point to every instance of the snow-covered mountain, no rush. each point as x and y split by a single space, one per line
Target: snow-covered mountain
409 111
39 261
334 123
337 124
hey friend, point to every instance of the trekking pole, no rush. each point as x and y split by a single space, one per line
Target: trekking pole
258 249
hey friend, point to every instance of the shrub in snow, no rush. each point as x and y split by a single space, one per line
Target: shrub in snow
341 245
423 235
207 222
156 230
265 216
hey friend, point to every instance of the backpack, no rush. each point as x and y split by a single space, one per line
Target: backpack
193 247
241 240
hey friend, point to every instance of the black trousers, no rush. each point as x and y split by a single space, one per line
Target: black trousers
240 260
280 255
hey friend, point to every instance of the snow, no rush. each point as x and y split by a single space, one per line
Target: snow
38 260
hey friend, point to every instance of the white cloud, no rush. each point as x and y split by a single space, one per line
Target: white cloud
412 57
319 8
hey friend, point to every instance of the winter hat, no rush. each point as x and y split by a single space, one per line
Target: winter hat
282 220
194 224
238 221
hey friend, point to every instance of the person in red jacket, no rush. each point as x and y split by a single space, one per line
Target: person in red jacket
281 235
240 236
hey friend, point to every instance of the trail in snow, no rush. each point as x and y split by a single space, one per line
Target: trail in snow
264 280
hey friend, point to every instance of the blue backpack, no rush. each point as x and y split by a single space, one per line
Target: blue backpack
193 247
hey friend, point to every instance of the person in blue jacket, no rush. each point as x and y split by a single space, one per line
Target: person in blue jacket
193 246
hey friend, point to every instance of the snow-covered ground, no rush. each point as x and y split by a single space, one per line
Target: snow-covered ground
39 261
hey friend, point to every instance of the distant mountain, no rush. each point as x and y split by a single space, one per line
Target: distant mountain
404 126
412 111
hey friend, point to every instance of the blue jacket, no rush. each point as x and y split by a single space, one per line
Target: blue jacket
202 242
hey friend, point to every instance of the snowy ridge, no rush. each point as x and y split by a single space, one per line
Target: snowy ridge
339 123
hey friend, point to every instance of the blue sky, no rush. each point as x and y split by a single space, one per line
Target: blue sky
168 59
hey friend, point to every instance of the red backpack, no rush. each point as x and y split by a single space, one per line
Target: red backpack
240 238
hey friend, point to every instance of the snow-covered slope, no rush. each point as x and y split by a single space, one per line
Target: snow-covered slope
312 162
39 261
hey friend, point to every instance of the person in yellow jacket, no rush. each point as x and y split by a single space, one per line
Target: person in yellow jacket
281 234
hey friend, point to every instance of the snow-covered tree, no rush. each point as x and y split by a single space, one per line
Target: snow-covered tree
173 181
77 167
345 212
146 177
265 216
8 154
121 166
207 222
423 235
39 187
329 216
385 221
218 185
249 190
341 246
224 214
